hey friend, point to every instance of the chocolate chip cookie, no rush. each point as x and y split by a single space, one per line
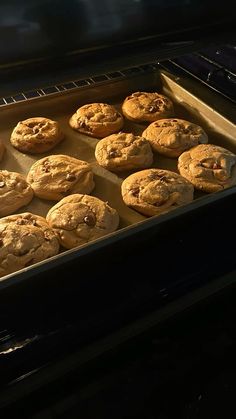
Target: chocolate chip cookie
210 168
78 219
36 135
24 240
124 151
171 137
147 107
15 192
56 176
97 120
156 191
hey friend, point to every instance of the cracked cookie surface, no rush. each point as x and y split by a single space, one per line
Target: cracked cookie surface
56 176
147 107
208 167
78 219
156 191
97 120
124 151
24 240
173 136
36 135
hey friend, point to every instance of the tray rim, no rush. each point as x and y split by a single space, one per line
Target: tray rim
21 275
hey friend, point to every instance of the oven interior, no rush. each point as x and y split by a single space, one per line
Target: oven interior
44 319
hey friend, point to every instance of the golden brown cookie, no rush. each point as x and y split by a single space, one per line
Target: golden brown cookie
210 168
24 240
78 219
36 135
156 191
171 137
2 149
15 192
147 107
97 120
56 176
124 151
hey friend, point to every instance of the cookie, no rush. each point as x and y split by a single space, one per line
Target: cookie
2 149
36 135
156 191
15 192
171 137
97 120
147 107
124 151
25 239
210 168
78 219
56 176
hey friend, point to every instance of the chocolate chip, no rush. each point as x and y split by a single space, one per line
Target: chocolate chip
70 177
24 221
154 176
22 252
2 184
152 109
112 154
158 101
164 179
82 124
135 192
46 166
90 220
1 242
216 166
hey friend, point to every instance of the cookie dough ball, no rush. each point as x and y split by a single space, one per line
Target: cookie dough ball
124 151
15 192
171 137
156 191
210 168
97 120
36 135
56 176
25 239
78 219
147 107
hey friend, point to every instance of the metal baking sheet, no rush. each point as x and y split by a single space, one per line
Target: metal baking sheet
62 105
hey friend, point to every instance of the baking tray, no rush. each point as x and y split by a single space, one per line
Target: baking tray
61 105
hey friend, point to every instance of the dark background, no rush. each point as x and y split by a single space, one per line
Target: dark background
33 29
